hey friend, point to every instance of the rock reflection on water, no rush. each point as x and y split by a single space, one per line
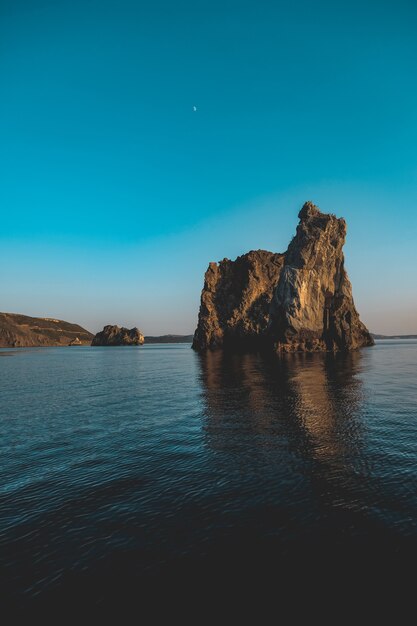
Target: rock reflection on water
294 426
310 453
314 399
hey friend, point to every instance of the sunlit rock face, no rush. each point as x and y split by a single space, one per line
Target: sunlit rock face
312 308
297 301
116 336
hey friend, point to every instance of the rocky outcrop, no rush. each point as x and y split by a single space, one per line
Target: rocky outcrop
75 342
116 336
297 301
312 308
18 331
236 299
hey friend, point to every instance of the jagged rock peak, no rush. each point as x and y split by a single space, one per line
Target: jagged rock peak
118 336
318 234
309 209
312 308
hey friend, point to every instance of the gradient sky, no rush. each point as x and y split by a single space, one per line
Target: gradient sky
115 194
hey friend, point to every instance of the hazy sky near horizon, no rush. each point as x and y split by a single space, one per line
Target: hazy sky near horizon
115 194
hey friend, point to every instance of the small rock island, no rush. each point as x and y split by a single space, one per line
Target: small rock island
299 301
117 336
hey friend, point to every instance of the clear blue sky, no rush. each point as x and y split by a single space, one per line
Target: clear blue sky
115 194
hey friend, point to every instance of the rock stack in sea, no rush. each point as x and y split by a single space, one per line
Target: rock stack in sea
300 301
118 336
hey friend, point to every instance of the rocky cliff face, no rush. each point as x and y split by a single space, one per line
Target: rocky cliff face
23 331
297 301
116 336
235 300
312 308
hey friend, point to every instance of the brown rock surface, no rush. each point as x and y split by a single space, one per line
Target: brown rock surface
23 331
312 308
235 300
117 336
75 342
297 301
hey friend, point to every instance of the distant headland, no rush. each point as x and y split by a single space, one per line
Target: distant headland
376 336
22 331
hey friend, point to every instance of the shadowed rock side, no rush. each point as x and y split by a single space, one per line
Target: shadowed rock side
18 331
297 301
116 336
312 308
235 300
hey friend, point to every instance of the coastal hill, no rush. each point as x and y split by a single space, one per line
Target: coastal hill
300 301
23 331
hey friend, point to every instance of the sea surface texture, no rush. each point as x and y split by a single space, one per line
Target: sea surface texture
126 466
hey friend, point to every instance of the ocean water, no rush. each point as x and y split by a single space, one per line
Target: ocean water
124 467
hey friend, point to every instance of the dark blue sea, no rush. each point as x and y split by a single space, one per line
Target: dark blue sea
127 469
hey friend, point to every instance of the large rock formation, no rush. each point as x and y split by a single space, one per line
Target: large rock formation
116 336
23 331
235 300
297 301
